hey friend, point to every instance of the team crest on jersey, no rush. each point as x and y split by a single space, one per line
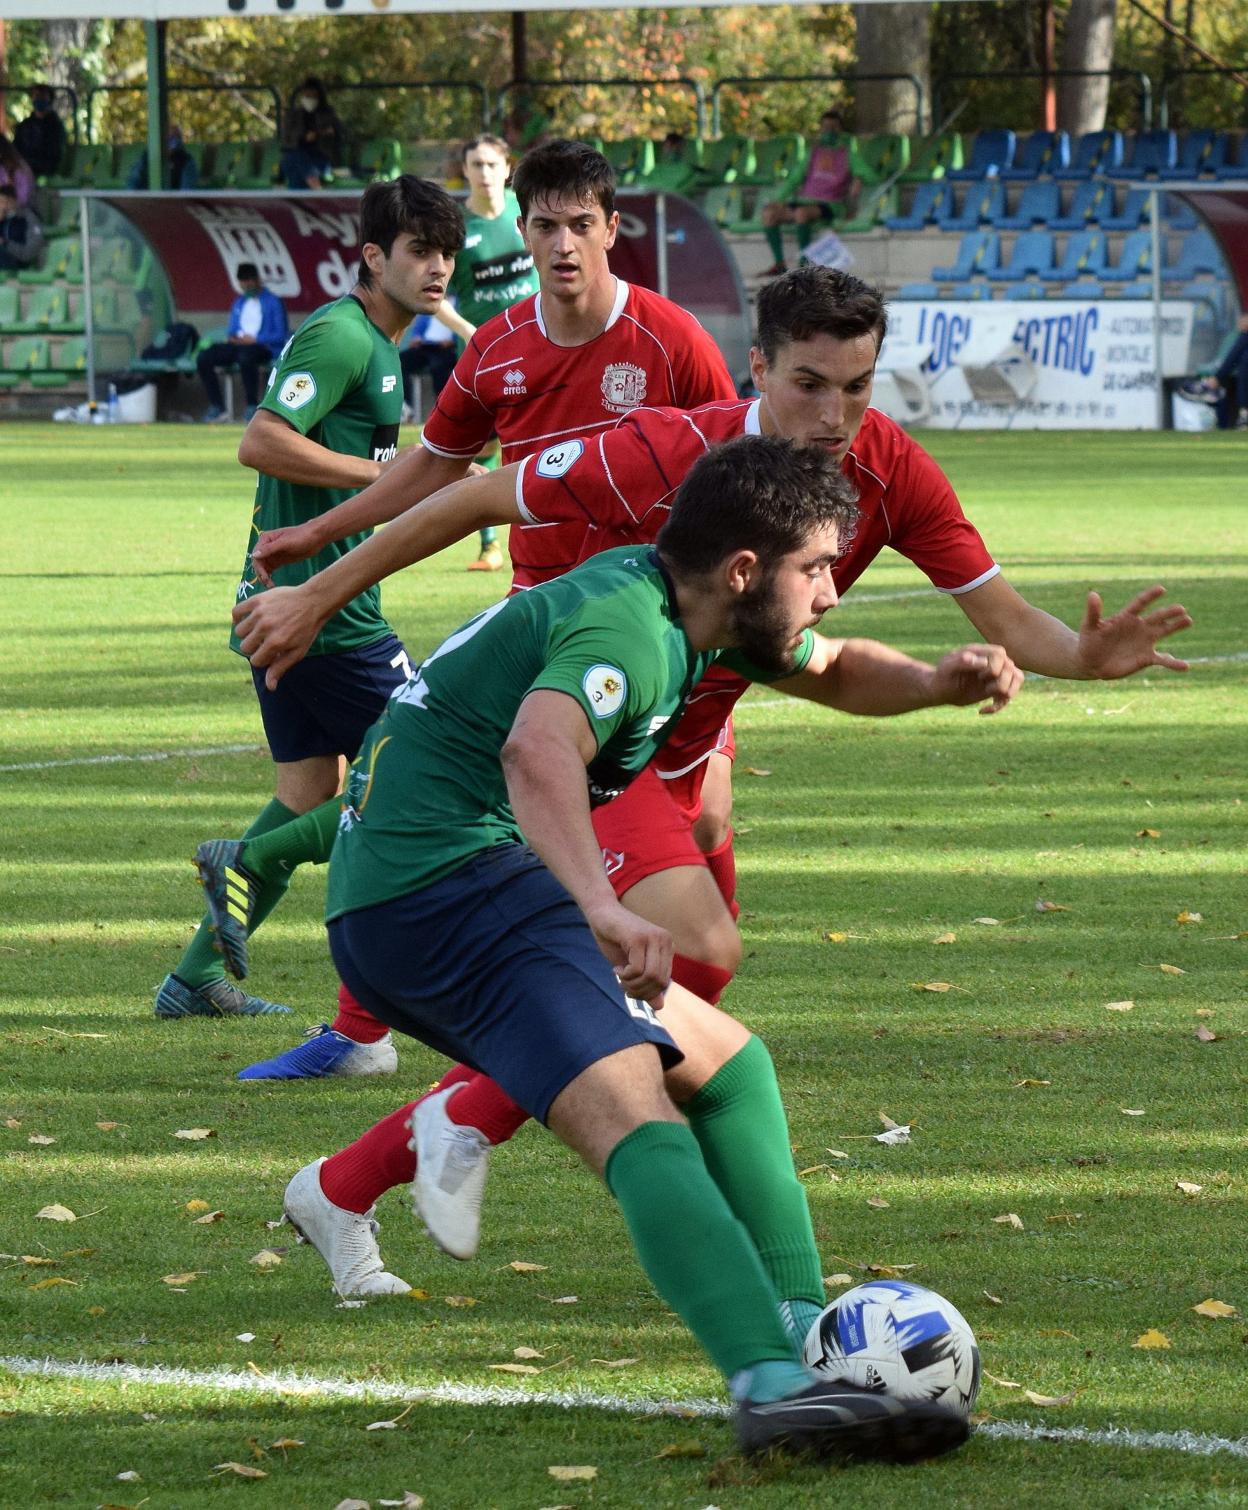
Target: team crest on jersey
605 687
556 460
513 381
298 389
623 386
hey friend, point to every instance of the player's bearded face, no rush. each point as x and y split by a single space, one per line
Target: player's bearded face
768 621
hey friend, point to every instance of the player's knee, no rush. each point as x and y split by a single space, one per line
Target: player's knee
719 944
713 826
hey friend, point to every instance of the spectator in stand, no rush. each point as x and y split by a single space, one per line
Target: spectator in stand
40 138
21 235
258 331
313 138
15 172
829 189
431 348
183 170
1227 389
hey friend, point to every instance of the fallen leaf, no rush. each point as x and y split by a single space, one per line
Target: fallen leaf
1043 906
181 1279
409 1501
96 1311
389 1425
53 1279
460 1302
1189 917
130 1477
753 770
1119 1006
837 1153
1019 1084
196 1206
195 1134
1171 970
522 1268
1205 1035
415 1294
987 922
877 1203
993 1300
350 1305
615 1362
893 1136
1151 1339
526 1352
1217 1309
55 1214
108 1126
514 1368
353 1505
934 985
838 1279
1148 833
565 1300
836 938
243 1470
1131 1111
1204 1012
1012 1219
1034 1399
570 1475
1187 1187
946 938
1002 1383
265 1259
12 1123
682 1450
890 1271
206 1221
1069 1217
245 1337
40 1140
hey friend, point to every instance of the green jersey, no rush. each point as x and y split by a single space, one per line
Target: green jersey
339 382
494 270
427 791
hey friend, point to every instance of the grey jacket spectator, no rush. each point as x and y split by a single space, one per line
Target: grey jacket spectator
21 234
40 138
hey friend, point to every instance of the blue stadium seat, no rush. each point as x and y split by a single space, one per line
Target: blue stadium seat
1043 152
1133 214
1198 254
1151 151
993 150
1088 289
1031 254
1040 204
1178 214
1092 199
971 291
1029 288
917 291
979 252
981 206
1203 151
1095 152
929 201
1086 253
1135 258
1236 164
1142 288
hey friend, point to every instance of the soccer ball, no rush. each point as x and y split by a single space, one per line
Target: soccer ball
893 1336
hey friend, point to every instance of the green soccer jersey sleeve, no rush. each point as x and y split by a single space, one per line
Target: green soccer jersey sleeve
324 361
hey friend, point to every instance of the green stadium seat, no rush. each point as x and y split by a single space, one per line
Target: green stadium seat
126 162
632 158
874 204
267 171
24 357
115 262
67 365
46 310
378 160
233 164
105 312
723 204
748 223
875 158
933 156
725 160
9 304
62 261
673 178
778 161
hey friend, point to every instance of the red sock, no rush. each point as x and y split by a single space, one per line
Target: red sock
488 1108
373 1164
354 1022
456 1075
706 981
722 864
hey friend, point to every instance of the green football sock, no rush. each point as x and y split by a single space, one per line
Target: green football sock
201 963
307 840
806 233
489 536
739 1122
700 1258
775 241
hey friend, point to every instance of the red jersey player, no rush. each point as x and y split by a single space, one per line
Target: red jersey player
819 332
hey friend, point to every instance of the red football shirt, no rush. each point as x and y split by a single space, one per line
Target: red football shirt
619 485
513 381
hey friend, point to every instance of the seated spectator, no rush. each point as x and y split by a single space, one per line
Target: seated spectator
430 347
828 190
40 138
313 139
182 169
1227 389
15 172
258 331
672 148
21 234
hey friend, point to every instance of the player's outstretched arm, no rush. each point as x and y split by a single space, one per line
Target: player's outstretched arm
544 762
407 480
276 629
271 446
1101 648
875 681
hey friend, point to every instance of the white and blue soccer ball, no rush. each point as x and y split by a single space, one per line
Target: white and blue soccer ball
898 1338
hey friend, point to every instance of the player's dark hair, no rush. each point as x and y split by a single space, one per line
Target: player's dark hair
566 170
484 139
817 301
413 206
757 493
246 270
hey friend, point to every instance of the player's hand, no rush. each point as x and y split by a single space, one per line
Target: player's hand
1127 641
281 547
977 674
276 629
639 952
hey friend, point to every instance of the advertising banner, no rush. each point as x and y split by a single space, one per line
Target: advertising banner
1093 360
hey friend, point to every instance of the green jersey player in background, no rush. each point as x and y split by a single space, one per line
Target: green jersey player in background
494 271
328 424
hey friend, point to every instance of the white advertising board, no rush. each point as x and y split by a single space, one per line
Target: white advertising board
1093 359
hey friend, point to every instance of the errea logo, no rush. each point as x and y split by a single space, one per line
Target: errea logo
513 381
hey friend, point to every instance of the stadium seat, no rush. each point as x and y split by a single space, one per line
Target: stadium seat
47 310
1198 253
670 178
993 150
268 169
933 156
1095 152
1142 288
233 164
66 365
8 304
725 159
875 204
1039 204
1236 163
979 252
1202 152
1031 255
1043 152
879 157
1151 151
981 205
632 157
1029 288
722 204
104 308
1085 289
24 357
779 160
1133 214
1085 253
1135 257
1092 198
86 166
749 222
971 291
61 261
917 291
125 160
1178 214
378 161
930 199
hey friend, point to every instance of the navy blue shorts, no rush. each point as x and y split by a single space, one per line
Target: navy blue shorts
495 965
327 703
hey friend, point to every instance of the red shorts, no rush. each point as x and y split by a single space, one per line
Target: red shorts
647 830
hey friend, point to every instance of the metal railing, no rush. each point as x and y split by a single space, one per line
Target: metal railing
516 86
470 86
220 88
1175 79
1144 85
812 78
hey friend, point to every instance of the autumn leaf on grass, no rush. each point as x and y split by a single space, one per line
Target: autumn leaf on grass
108 1126
243 1470
946 938
1148 833
352 1505
265 1259
936 985
526 1352
753 770
1043 906
565 1300
836 938
1120 1006
197 1206
195 1134
461 1301
389 1425
1169 969
569 1475
890 1271
207 1220
1189 917
409 1501
1002 1383
1131 1111
182 1279
837 1279
893 1135
1217 1309
53 1279
987 922
1010 1219
1034 1399
1029 1084
41 1140
993 1300
37 1263
55 1213
1151 1339
682 1450
521 1267
1187 1187
615 1362
514 1368
1205 1035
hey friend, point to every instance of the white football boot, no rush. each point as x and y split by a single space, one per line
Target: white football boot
452 1163
346 1240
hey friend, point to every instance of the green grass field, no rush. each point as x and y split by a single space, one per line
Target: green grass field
861 846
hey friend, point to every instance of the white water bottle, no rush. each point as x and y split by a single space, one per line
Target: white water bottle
114 405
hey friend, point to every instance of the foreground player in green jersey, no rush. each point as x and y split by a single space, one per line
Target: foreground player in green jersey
328 424
468 905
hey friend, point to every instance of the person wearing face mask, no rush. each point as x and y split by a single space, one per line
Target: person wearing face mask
40 138
182 171
313 139
828 191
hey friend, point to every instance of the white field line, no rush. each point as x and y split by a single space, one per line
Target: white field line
1195 1443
